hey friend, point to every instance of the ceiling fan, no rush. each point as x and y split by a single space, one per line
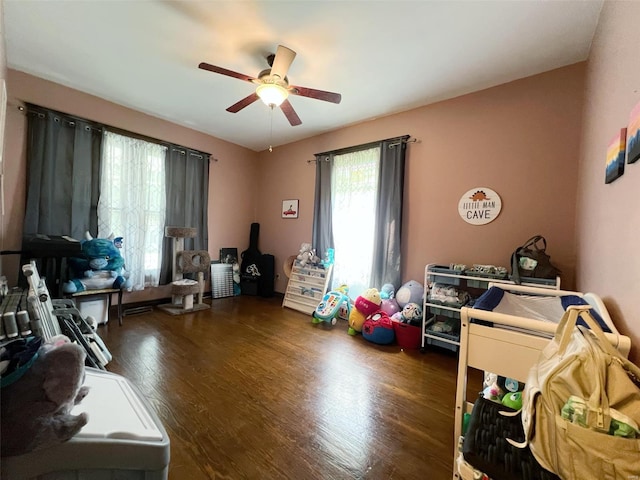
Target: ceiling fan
273 85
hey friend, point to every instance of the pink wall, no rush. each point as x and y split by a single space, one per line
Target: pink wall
520 139
608 216
231 211
3 76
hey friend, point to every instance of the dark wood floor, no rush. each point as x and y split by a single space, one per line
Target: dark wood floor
251 390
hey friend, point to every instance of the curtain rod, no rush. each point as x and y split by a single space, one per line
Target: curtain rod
32 108
398 141
414 140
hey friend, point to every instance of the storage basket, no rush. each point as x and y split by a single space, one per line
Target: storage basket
482 283
407 336
435 269
221 280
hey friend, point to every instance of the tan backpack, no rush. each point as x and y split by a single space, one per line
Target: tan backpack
581 405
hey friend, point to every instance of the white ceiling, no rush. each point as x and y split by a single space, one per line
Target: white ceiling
382 56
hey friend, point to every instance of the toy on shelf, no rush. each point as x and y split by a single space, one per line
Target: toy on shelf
329 257
307 255
186 261
100 267
366 304
329 308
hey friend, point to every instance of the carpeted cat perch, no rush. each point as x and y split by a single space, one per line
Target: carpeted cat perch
183 289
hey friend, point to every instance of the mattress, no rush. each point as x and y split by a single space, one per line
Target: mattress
535 307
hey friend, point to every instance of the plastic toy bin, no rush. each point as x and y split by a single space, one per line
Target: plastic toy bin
407 336
435 269
123 439
482 283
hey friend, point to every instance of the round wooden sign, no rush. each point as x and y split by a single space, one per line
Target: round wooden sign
479 206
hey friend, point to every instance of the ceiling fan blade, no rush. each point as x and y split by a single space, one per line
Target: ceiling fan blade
224 71
317 94
282 61
245 102
290 113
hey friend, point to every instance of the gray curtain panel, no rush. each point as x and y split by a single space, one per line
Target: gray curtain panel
322 233
187 186
63 156
387 241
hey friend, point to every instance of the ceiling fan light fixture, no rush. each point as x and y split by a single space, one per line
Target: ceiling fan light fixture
272 94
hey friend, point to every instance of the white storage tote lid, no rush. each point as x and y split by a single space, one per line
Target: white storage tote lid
122 436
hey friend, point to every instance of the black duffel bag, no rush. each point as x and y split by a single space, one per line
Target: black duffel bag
531 260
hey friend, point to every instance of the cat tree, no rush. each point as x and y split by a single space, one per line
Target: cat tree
186 261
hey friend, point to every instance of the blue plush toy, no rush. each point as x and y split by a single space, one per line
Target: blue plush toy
388 291
101 266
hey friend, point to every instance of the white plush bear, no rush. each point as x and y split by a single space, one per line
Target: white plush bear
307 255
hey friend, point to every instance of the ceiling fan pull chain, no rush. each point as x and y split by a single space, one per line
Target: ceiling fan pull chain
271 129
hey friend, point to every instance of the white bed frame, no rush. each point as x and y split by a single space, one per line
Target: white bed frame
507 352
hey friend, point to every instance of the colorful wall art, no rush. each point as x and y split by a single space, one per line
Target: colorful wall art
615 156
633 135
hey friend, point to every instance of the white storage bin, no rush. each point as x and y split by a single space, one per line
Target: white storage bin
123 439
97 307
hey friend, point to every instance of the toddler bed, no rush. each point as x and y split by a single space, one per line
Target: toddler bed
505 337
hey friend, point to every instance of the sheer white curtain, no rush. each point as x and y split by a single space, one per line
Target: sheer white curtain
354 185
132 203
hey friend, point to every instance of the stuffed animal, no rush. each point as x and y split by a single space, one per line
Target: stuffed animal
387 292
410 292
513 400
369 301
101 266
492 390
366 304
356 320
329 258
236 279
36 406
411 314
307 255
378 328
389 306
493 393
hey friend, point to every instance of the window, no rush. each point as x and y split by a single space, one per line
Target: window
79 170
132 203
358 212
354 185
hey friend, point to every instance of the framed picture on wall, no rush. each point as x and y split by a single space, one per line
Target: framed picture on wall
290 209
616 156
633 135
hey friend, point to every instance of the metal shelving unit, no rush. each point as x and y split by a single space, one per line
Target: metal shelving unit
433 311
